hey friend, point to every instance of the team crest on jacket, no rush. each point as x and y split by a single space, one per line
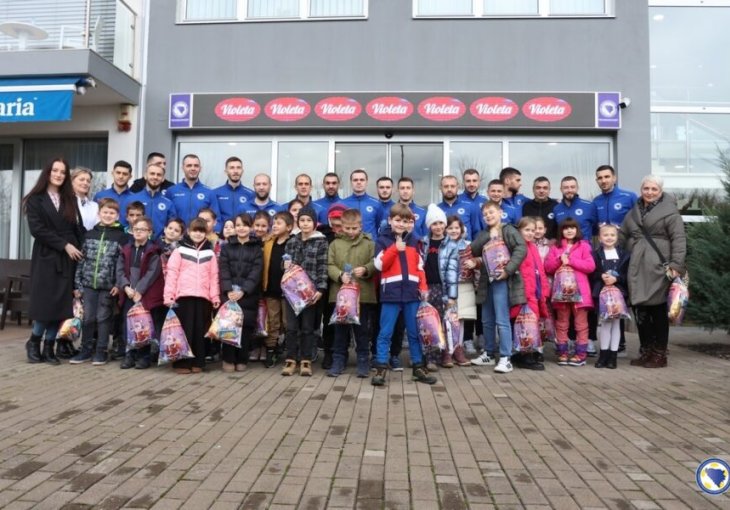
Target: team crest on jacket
201 196
461 210
271 212
504 215
579 212
369 208
551 216
617 206
242 200
161 207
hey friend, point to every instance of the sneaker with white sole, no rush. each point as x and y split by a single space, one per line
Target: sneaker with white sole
591 349
504 366
482 360
469 349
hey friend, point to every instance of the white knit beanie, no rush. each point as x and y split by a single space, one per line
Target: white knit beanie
434 214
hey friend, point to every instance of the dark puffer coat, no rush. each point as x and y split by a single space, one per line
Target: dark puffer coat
242 265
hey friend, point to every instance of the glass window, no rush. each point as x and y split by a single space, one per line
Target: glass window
514 7
333 8
300 158
371 157
689 60
256 157
210 9
577 7
555 160
444 8
486 157
273 8
421 162
6 198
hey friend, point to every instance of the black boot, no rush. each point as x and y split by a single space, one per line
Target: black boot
327 360
611 361
48 354
602 360
33 349
64 349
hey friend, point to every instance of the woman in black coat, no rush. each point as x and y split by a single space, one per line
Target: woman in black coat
55 224
241 264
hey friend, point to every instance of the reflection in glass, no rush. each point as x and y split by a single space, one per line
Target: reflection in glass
331 8
688 143
273 8
689 60
577 7
421 162
513 7
300 158
444 7
556 160
486 157
210 9
256 158
371 157
6 198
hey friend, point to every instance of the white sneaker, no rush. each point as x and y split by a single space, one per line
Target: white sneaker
504 366
469 349
483 359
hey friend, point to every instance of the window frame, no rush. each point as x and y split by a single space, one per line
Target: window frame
242 15
477 9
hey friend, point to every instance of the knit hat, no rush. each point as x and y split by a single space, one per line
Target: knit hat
307 211
335 211
433 214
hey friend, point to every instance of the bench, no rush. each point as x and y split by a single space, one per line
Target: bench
14 288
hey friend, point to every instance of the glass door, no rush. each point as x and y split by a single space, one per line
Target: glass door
422 162
6 198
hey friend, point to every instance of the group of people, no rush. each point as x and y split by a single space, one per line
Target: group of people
484 261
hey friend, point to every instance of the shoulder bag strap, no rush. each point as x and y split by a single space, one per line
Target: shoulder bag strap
651 241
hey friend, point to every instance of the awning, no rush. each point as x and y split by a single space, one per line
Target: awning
38 99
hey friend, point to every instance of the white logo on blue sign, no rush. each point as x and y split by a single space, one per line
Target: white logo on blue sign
579 212
180 109
608 108
161 206
201 196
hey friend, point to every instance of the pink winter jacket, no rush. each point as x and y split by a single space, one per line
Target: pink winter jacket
581 260
192 272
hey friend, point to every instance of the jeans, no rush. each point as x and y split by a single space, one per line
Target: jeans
300 335
98 308
388 316
495 318
361 332
50 328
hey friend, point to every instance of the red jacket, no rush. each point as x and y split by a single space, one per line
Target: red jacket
530 269
401 273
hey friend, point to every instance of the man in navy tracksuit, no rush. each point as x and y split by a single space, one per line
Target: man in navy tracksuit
472 181
452 205
572 206
233 196
156 206
191 195
261 200
119 190
331 185
370 208
513 200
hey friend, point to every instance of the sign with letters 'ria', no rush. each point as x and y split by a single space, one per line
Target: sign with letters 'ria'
413 110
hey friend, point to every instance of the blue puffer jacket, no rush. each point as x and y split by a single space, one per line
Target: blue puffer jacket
448 265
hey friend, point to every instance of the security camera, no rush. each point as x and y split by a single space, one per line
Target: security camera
625 102
388 135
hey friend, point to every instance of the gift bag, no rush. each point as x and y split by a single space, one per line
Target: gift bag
262 315
173 343
347 306
227 324
298 288
678 298
565 286
453 327
465 274
429 326
526 331
611 304
140 328
547 329
496 256
71 328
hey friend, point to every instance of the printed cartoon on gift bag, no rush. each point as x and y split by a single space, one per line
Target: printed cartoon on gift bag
430 331
495 256
565 286
71 328
611 304
173 342
140 327
526 331
227 324
261 317
297 287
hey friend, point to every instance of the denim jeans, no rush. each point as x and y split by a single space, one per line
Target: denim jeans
98 307
362 334
388 317
495 318
300 336
50 328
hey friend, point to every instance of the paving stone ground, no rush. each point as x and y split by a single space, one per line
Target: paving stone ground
77 437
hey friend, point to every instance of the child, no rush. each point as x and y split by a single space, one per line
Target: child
169 240
229 229
139 277
441 257
570 250
536 291
307 249
352 247
192 283
135 210
210 221
402 286
241 263
498 287
466 299
612 264
261 225
274 249
96 282
294 206
542 243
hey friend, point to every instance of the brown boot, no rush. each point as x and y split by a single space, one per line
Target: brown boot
657 359
642 359
446 360
305 368
290 366
460 358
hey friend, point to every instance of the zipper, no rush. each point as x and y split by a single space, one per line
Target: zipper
99 252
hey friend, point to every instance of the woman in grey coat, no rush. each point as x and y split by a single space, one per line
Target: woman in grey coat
651 269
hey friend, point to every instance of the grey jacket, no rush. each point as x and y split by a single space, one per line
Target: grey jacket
647 282
518 251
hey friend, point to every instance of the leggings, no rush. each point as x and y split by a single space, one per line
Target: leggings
609 333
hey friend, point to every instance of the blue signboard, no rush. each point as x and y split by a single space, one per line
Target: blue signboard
37 100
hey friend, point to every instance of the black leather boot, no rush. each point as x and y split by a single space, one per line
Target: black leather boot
48 355
603 358
33 349
611 361
64 349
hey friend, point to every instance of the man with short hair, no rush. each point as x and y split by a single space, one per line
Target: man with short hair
406 194
453 205
303 187
190 195
331 186
384 188
495 192
572 206
157 159
542 206
156 205
614 203
512 201
370 208
261 200
472 182
233 196
119 190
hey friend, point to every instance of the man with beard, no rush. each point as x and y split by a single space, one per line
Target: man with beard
370 208
303 187
572 206
472 182
512 201
331 185
190 195
156 206
613 203
453 205
261 200
542 206
406 192
119 191
233 196
384 187
153 158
